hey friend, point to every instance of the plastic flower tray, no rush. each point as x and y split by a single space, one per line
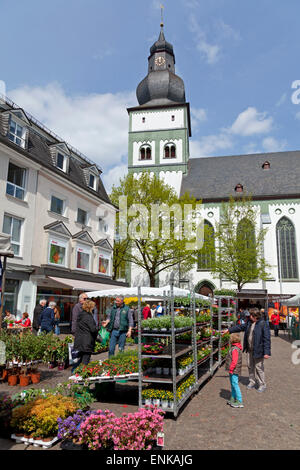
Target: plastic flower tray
34 442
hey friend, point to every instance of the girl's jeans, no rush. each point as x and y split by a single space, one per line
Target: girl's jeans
235 389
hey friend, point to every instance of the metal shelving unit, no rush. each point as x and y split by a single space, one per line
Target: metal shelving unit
177 350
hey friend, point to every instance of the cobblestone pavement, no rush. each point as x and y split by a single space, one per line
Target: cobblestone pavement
269 420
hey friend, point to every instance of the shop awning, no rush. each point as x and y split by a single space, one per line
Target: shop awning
81 285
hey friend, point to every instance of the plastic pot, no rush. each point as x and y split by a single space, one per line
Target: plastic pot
12 379
24 380
35 377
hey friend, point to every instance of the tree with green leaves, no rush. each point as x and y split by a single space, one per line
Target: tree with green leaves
155 238
235 251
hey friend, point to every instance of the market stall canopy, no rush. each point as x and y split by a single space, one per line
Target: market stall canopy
293 301
148 292
76 284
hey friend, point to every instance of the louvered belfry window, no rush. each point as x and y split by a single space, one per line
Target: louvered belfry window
286 249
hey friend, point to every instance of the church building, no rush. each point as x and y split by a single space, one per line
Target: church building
159 132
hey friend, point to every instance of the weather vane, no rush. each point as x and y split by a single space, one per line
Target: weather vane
162 15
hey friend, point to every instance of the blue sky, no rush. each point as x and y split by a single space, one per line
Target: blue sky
75 65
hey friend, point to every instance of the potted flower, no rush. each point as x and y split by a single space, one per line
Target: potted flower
69 430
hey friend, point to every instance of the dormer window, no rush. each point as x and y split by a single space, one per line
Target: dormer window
266 166
17 133
61 162
145 152
93 182
239 188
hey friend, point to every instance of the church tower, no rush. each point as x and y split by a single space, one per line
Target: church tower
159 128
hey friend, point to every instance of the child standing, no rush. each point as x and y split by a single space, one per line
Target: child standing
234 365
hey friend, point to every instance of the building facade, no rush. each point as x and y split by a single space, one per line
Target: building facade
159 131
60 218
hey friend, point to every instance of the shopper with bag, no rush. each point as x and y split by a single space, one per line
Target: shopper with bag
86 333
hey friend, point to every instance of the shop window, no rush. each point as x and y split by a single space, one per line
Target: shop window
83 259
104 261
57 252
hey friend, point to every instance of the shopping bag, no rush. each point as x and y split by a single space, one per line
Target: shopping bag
103 336
73 354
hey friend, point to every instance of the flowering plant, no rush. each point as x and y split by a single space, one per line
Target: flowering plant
69 428
204 352
185 361
180 392
6 403
40 416
137 431
152 348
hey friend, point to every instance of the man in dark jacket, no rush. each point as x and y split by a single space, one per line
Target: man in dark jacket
257 343
76 310
46 320
36 315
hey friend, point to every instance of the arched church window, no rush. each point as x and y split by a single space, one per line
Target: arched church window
170 151
206 255
286 249
145 152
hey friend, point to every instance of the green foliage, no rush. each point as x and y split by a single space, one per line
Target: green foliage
226 292
239 238
162 249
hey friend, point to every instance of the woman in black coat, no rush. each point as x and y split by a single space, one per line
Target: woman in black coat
86 332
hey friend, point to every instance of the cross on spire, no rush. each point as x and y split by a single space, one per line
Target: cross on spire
162 15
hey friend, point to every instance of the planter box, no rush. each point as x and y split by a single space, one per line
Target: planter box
34 442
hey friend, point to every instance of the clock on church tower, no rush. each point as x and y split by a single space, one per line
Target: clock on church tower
159 127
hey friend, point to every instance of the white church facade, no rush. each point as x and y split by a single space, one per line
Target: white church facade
159 132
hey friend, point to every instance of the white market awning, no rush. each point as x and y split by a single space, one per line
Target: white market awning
293 301
76 284
148 292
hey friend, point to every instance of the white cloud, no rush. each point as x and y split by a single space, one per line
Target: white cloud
210 145
251 122
207 50
112 177
198 115
282 99
95 124
270 144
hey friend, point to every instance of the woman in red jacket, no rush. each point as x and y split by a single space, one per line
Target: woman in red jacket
25 322
275 319
146 312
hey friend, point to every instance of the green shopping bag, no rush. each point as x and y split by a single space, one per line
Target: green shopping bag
103 336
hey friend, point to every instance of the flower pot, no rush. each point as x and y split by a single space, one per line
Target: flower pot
35 377
148 401
4 375
158 370
47 439
164 404
24 380
171 405
12 379
156 402
51 365
61 366
166 371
